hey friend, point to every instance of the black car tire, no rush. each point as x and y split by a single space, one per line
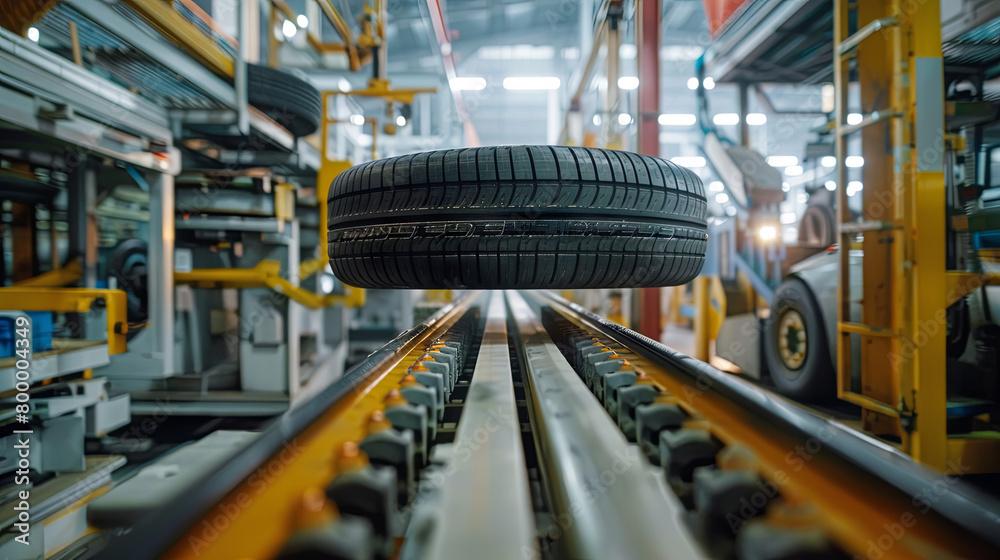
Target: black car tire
546 217
291 102
815 379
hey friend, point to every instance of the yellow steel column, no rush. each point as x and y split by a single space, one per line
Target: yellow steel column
841 82
924 270
879 379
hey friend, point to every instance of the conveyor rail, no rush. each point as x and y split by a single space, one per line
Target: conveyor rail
713 466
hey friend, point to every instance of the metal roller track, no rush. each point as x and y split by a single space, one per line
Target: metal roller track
672 459
608 502
486 499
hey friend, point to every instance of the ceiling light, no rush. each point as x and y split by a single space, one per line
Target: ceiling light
756 119
730 210
722 119
33 34
597 120
767 233
288 29
677 119
788 217
624 119
830 185
302 20
716 186
785 186
626 51
793 170
692 83
854 161
828 161
527 83
343 85
446 49
357 120
400 120
854 187
855 118
467 83
782 161
689 161
722 198
628 82
709 83
802 198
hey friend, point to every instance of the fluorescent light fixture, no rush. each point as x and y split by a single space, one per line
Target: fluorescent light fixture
730 210
517 52
343 85
854 161
828 161
782 161
624 119
855 118
677 119
597 120
288 28
709 83
793 170
689 161
756 119
692 83
357 120
326 283
467 83
830 185
680 52
627 51
790 235
785 186
788 218
854 187
33 34
400 120
723 119
767 233
529 83
628 82
722 198
716 186
302 20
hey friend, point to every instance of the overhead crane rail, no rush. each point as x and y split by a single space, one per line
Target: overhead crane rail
629 448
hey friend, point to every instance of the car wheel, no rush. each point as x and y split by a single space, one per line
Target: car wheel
517 217
796 347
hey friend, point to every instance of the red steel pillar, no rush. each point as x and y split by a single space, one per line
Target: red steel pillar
648 16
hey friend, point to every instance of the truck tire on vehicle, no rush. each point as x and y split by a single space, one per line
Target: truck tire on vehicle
796 347
517 217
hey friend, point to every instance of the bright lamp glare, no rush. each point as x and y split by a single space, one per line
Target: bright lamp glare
597 120
722 198
730 210
302 20
624 119
33 34
288 28
782 161
400 120
793 170
467 83
677 119
854 161
692 83
767 233
709 83
716 186
788 217
854 187
689 161
854 118
357 120
528 83
628 82
723 119
828 161
830 185
756 119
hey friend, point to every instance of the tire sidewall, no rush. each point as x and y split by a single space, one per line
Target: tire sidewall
815 380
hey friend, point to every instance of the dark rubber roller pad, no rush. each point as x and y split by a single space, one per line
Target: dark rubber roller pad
528 217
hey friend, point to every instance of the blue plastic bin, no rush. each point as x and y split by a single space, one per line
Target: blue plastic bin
41 333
